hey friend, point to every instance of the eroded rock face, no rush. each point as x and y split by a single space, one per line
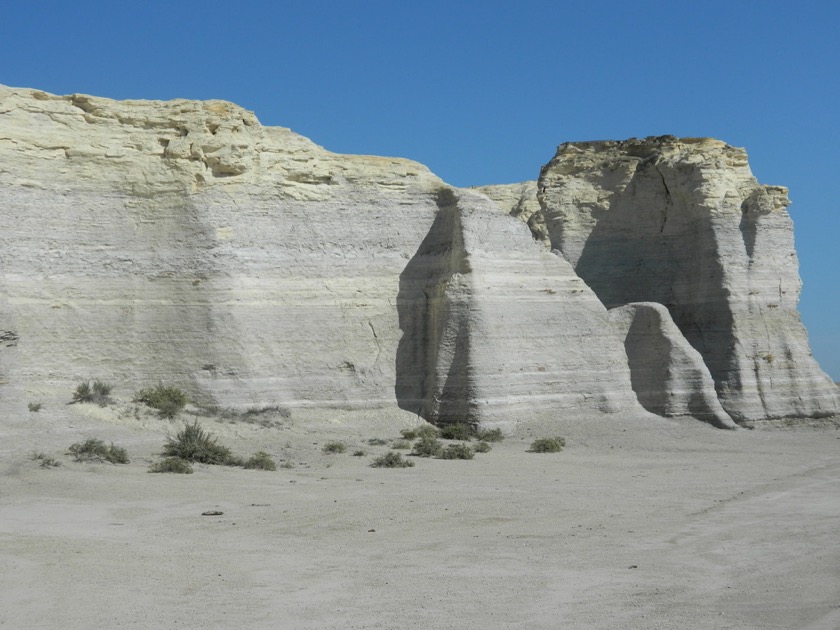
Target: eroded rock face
520 201
182 242
497 330
667 373
685 224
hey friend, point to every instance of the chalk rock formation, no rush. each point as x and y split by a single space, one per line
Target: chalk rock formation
183 242
668 375
683 222
496 328
520 201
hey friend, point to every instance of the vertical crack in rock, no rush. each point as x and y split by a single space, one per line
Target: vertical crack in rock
668 200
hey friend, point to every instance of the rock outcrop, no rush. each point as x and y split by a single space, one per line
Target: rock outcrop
182 242
520 201
682 222
668 375
496 329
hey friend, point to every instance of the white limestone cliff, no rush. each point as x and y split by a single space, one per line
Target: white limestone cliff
683 222
183 242
520 201
496 329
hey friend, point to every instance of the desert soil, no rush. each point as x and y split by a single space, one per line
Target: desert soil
638 523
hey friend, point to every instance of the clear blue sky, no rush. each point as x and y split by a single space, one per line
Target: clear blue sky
483 92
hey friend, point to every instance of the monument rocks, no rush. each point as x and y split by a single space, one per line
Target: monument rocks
183 242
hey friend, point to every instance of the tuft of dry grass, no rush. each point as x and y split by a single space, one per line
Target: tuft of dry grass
95 450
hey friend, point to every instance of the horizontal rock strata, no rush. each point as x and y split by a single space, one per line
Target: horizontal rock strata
182 242
496 328
685 224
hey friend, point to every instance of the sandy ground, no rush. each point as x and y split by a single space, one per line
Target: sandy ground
639 523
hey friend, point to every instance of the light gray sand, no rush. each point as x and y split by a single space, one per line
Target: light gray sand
637 524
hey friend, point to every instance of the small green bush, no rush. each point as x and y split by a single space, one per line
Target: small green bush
334 447
172 465
401 445
359 453
409 434
456 451
427 431
168 400
482 447
377 442
459 431
490 435
35 407
93 392
194 444
547 445
95 450
427 447
261 461
392 459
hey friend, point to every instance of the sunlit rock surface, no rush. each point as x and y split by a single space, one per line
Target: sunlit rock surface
683 222
182 242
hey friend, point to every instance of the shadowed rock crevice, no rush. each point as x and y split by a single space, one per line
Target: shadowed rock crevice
667 374
646 246
433 377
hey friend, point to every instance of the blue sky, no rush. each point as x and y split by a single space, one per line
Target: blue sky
483 92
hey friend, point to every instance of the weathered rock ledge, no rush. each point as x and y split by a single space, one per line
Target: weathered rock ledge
183 242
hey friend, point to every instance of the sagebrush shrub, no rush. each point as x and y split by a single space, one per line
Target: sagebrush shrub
547 445
260 461
334 447
168 400
427 447
427 431
93 392
456 451
392 459
194 444
482 447
459 431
